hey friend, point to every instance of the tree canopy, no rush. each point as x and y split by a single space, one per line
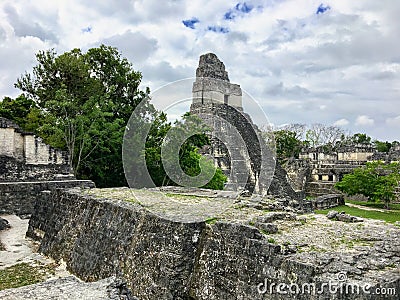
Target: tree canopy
190 160
82 101
376 180
86 100
383 146
22 111
287 145
320 134
361 138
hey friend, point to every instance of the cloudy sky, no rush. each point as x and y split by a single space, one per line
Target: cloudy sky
304 61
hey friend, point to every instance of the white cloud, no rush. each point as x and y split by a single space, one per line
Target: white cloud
341 122
364 121
133 45
342 64
393 121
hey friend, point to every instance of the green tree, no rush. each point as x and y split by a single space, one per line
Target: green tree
22 111
376 180
287 145
361 138
191 161
154 140
142 161
86 99
383 146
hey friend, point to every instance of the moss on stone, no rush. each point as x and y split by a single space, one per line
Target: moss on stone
212 220
23 274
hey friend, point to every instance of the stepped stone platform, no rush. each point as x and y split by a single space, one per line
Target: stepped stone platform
245 251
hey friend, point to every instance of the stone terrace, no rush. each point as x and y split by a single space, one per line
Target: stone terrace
103 232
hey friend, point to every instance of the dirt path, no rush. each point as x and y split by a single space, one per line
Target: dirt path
18 248
21 249
365 207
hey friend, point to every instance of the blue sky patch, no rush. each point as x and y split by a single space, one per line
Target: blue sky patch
190 23
240 8
229 15
244 7
321 9
87 29
218 29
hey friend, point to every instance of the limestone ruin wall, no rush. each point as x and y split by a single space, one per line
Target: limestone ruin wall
24 156
99 237
29 166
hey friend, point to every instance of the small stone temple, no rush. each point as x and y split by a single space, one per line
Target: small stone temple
318 169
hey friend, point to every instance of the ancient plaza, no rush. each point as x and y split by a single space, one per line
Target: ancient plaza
262 233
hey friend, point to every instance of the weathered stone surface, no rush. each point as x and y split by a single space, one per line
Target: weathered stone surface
365 253
342 216
210 66
70 288
332 214
280 186
99 238
299 172
160 259
270 217
328 201
29 166
266 227
19 197
12 170
4 224
24 156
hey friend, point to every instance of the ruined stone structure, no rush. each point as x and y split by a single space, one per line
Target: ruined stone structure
29 166
235 139
317 170
99 236
24 156
212 85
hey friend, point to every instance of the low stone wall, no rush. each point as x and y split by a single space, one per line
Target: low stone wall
316 189
19 197
328 201
12 169
98 238
162 259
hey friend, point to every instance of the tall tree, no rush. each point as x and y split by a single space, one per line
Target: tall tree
361 138
297 128
86 99
383 146
320 134
287 145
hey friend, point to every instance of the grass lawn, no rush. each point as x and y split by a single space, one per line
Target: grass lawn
375 204
390 216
